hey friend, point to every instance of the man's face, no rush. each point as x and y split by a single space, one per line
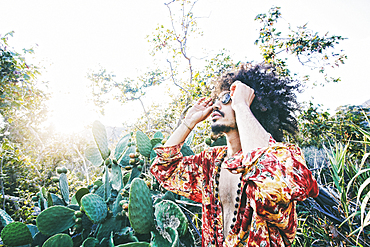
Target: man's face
223 115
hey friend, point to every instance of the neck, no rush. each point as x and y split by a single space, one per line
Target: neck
233 142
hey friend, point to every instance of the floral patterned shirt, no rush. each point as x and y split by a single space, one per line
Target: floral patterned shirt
272 179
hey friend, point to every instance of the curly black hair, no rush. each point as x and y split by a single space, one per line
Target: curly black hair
275 103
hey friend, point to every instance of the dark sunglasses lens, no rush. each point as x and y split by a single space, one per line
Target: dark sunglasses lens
225 98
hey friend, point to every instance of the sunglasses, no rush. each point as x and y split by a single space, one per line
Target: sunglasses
224 98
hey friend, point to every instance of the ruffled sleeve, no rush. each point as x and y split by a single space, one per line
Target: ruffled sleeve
186 176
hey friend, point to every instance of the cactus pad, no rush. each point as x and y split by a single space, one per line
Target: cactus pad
59 240
143 144
55 219
168 214
15 234
63 184
90 242
5 218
158 135
92 153
140 209
136 244
80 193
100 136
121 146
110 225
186 150
94 207
116 177
166 238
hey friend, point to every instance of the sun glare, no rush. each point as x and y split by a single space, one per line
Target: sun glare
69 114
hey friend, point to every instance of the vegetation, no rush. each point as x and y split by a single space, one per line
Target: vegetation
71 191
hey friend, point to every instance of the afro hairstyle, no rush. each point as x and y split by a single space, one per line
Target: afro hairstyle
275 103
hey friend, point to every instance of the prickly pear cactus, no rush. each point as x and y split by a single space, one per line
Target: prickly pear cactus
143 144
136 244
140 209
168 214
90 242
100 136
55 219
15 234
63 185
5 218
110 225
92 153
168 237
59 240
95 208
80 193
121 146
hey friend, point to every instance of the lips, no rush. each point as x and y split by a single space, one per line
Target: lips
216 114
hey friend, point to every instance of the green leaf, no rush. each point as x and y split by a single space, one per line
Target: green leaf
80 193
100 136
158 135
57 200
90 242
93 155
143 144
5 218
186 150
135 173
135 244
364 222
189 139
121 146
63 185
362 187
59 240
55 219
107 186
95 208
125 160
221 141
116 177
153 154
168 238
155 141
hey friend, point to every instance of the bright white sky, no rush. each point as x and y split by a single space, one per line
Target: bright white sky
73 37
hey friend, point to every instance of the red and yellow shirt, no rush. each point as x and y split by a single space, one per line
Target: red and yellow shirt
272 179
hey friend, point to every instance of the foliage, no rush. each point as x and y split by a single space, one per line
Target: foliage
30 155
113 210
340 214
317 127
307 46
30 152
17 80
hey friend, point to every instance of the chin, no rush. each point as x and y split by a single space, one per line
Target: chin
221 128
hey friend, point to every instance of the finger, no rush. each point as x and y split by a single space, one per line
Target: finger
209 101
208 111
200 100
233 87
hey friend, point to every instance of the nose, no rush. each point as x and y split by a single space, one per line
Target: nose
216 104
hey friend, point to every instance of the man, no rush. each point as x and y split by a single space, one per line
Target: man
249 188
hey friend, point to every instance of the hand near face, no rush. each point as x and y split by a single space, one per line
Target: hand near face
241 94
199 111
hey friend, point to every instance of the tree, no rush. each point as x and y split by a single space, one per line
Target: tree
307 46
29 151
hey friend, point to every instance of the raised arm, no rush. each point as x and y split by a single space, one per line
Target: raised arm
197 113
252 134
